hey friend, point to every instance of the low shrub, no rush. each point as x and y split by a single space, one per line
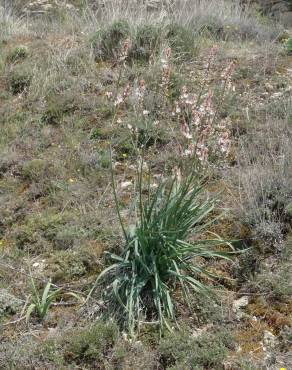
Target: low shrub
19 80
265 181
182 350
147 40
106 43
17 54
90 344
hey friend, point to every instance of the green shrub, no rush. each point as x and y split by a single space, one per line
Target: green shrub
17 54
19 80
182 350
90 344
156 257
147 41
106 42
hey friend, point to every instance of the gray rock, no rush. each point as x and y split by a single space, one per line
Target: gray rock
9 304
238 305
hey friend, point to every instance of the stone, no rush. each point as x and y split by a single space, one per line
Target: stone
9 304
238 305
270 340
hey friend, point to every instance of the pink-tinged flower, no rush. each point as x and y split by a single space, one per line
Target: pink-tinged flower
202 152
208 103
189 152
185 130
227 75
124 52
109 94
166 72
168 52
126 91
118 100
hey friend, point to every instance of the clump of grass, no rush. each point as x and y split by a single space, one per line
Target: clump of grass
157 258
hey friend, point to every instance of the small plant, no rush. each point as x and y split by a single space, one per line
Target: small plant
289 45
19 81
41 302
157 258
17 54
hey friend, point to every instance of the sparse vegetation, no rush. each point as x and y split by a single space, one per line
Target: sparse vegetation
182 84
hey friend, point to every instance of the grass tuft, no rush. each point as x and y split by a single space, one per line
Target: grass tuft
157 258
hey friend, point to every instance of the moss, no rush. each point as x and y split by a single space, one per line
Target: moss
250 338
38 232
276 315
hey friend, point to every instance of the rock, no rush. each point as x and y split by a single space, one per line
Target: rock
46 6
238 305
270 340
9 304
